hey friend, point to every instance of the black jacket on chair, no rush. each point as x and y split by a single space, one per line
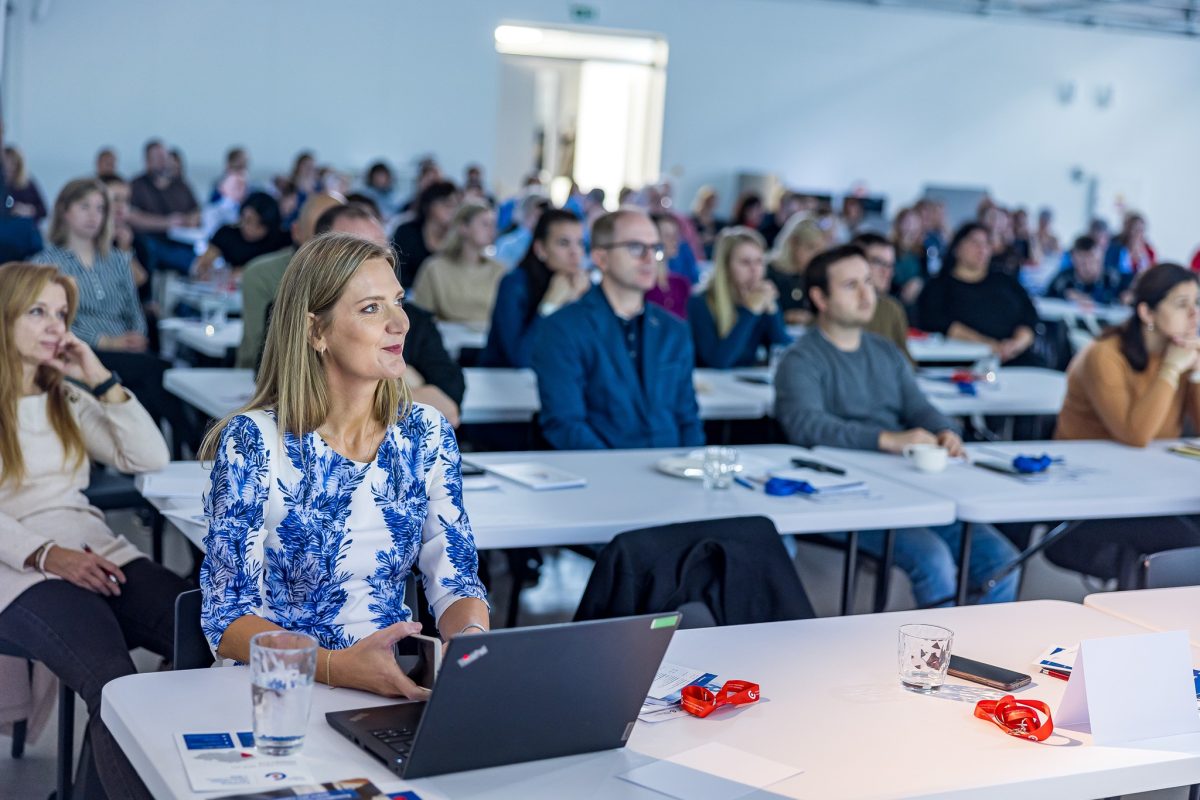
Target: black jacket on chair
737 568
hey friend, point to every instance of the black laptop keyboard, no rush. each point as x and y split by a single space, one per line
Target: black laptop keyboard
399 740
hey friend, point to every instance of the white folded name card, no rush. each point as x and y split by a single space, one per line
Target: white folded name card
1127 688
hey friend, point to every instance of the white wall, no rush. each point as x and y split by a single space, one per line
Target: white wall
824 93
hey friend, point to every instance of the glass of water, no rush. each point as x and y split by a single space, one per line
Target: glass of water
924 654
282 667
720 463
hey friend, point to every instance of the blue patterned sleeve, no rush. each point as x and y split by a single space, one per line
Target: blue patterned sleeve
448 559
231 575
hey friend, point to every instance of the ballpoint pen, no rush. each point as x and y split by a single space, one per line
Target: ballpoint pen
817 466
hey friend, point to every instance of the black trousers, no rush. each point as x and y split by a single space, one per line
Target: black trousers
85 640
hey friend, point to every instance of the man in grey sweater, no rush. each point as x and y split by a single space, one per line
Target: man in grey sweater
840 386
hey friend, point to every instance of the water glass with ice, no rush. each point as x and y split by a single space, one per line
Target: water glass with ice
282 667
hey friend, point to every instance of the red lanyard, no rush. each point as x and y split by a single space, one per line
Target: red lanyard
700 702
1017 717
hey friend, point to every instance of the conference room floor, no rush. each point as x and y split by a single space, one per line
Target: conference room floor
553 600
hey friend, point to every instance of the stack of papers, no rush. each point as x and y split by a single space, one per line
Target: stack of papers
1188 447
663 701
537 476
229 760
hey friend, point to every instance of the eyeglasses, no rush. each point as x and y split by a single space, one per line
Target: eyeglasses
637 250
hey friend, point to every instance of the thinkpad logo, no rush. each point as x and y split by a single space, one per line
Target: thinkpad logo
473 656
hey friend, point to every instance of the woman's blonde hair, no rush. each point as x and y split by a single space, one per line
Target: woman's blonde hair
720 294
798 230
468 211
72 193
291 379
20 177
20 286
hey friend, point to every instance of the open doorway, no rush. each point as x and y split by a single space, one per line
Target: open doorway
579 105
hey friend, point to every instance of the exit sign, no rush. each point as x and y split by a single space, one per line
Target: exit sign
582 13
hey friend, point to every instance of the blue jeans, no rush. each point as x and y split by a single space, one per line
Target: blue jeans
929 556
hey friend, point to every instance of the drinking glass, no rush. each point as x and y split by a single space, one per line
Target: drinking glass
924 655
282 667
719 465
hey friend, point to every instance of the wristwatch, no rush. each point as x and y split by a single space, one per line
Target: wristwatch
102 389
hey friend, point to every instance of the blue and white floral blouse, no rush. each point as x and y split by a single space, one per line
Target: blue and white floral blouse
315 542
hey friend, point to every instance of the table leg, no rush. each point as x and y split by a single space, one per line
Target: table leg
883 580
964 560
850 576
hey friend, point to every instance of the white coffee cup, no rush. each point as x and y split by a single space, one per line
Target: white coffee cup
927 457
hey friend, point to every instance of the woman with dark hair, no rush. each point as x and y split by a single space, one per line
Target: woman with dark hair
748 211
419 238
1138 382
968 301
550 276
380 185
257 232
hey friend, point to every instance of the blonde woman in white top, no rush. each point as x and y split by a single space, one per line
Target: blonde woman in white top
459 284
73 595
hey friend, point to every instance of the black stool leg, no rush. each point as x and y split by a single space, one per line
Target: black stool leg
883 580
156 537
20 731
66 741
850 576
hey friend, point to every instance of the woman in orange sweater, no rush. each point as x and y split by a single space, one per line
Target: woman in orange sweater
1136 383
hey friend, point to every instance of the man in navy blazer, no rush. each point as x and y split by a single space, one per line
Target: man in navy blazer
613 371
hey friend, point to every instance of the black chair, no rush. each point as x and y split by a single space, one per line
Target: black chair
66 732
191 648
111 491
1171 568
735 569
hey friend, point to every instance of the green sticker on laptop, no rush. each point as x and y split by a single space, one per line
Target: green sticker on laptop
664 622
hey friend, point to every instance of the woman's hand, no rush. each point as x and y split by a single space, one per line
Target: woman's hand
76 360
85 570
1181 356
370 664
566 287
762 299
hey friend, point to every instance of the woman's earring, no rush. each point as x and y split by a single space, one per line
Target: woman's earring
1150 327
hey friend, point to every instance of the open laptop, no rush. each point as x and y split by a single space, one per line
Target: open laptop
520 694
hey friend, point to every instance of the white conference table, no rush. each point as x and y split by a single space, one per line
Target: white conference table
1018 391
214 340
459 335
832 706
1175 609
624 491
1055 309
1099 480
492 395
937 349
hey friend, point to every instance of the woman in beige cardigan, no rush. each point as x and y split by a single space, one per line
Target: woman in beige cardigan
73 595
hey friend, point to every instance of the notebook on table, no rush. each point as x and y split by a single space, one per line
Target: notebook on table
537 476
